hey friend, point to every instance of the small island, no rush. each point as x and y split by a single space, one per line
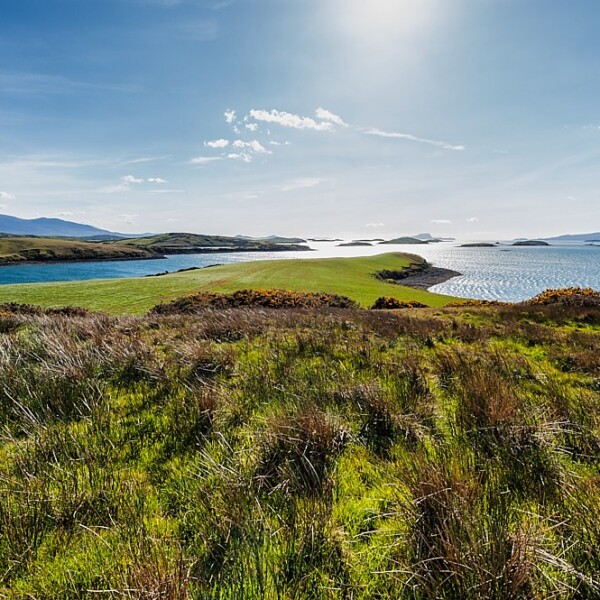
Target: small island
355 243
530 243
479 245
406 240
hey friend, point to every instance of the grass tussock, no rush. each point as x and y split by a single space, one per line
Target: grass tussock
243 452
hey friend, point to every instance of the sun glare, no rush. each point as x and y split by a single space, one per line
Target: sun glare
375 18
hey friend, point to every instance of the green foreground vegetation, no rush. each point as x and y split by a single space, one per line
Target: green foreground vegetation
291 454
353 277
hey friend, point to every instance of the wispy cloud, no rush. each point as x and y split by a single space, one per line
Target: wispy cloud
221 143
142 159
254 146
412 138
166 191
202 160
18 82
7 196
441 221
158 180
229 115
473 220
299 184
373 225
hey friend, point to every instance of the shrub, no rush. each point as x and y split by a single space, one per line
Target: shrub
262 298
388 302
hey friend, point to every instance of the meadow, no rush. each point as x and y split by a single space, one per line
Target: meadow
348 277
260 453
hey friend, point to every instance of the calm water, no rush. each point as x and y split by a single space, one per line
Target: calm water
499 273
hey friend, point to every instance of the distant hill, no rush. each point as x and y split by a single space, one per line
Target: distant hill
577 237
46 227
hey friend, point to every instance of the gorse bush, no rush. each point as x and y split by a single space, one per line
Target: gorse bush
264 298
238 452
390 303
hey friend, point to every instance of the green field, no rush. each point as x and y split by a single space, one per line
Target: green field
352 277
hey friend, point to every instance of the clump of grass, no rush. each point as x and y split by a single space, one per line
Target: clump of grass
299 452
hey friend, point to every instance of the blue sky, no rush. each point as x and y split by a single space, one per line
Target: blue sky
364 118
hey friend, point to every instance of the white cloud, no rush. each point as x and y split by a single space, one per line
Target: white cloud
375 225
473 220
229 115
217 143
201 160
130 179
441 221
326 115
252 126
254 145
157 180
286 119
124 186
7 196
240 156
412 138
298 184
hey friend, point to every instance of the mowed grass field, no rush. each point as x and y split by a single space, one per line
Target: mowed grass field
352 277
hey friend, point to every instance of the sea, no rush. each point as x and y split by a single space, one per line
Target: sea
502 272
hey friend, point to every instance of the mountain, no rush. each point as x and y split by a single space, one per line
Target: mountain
49 228
577 237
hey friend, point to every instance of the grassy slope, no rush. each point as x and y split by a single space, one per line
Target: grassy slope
23 249
350 277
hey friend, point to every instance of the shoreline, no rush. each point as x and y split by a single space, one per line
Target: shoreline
424 277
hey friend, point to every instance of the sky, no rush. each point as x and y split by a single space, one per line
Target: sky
477 119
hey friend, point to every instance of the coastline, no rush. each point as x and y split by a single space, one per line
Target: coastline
429 277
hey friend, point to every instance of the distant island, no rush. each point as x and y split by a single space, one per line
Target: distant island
355 243
406 240
479 245
530 243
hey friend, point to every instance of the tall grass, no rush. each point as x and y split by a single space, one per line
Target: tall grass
301 453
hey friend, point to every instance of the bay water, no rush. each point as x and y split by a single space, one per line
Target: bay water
501 272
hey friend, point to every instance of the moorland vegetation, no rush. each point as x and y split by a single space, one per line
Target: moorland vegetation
292 453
